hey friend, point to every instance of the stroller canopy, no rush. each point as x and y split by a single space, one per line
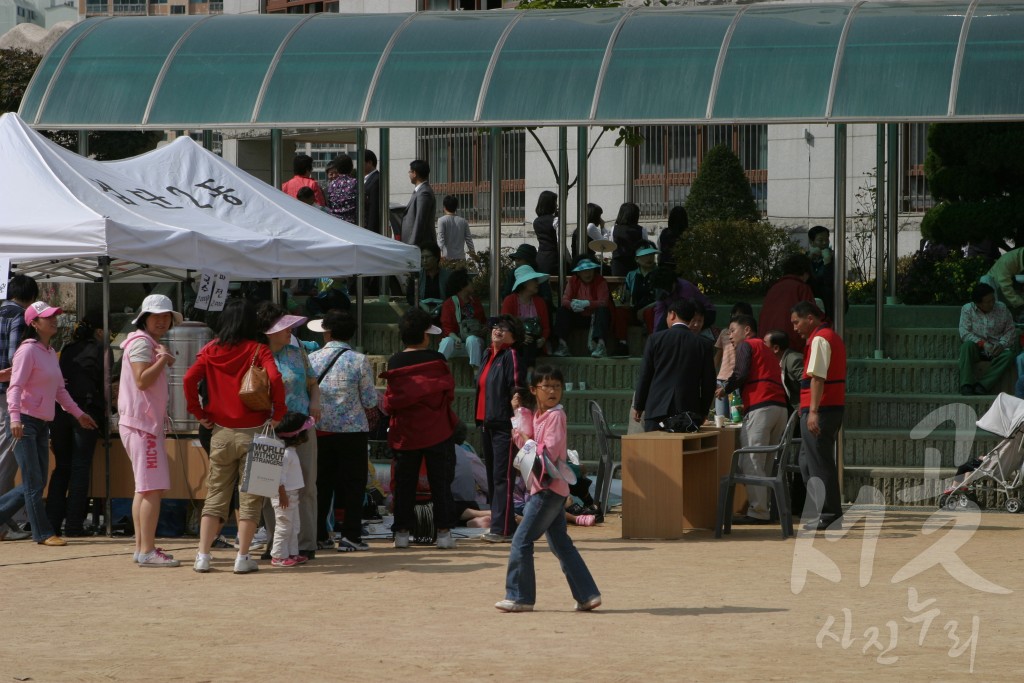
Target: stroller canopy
1004 417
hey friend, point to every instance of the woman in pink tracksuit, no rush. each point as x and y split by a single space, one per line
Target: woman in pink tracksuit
36 382
142 408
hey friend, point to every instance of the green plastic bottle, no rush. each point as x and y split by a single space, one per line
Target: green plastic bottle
736 407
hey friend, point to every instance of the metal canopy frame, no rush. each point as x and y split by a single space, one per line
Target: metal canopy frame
843 62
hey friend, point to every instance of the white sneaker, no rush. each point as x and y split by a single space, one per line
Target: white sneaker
599 350
563 349
202 564
347 546
158 558
445 540
401 539
259 539
588 605
245 565
510 606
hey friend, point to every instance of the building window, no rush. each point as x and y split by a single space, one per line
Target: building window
914 193
666 162
448 5
460 164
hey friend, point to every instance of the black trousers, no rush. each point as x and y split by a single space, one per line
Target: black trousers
501 477
566 320
818 461
440 460
68 495
341 476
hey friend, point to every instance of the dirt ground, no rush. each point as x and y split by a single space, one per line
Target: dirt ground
932 597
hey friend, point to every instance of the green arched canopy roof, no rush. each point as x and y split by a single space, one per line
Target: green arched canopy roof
842 62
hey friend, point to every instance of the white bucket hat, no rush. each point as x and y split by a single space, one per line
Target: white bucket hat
158 303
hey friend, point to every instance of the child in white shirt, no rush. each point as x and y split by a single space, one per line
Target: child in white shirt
285 551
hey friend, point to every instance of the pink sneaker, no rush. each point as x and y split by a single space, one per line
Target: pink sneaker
585 520
286 562
299 559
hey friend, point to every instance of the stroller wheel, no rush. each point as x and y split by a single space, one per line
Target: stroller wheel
943 499
1013 505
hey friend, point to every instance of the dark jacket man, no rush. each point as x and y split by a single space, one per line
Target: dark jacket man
418 223
677 373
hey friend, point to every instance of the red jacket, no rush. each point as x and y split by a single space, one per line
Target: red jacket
223 367
510 306
596 292
450 321
833 396
419 400
775 311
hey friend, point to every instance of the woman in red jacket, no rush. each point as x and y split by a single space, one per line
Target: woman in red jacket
222 364
419 400
526 304
463 323
585 304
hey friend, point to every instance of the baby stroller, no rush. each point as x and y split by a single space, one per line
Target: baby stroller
1002 464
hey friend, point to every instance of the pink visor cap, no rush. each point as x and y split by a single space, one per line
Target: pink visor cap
40 309
286 322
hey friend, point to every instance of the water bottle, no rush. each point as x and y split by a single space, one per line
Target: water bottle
736 407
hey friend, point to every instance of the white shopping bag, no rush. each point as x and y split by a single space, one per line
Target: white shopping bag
263 464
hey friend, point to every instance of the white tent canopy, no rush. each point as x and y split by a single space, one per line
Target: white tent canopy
158 214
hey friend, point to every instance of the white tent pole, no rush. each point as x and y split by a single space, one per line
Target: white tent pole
105 267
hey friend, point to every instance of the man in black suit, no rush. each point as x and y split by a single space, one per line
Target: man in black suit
678 372
418 223
371 192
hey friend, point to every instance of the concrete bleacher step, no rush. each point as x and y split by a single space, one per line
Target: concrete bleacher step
912 377
906 411
614 402
937 343
895 448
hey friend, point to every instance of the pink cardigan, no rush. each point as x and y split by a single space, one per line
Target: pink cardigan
549 431
36 382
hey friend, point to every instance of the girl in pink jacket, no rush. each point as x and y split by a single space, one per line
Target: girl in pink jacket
36 382
545 509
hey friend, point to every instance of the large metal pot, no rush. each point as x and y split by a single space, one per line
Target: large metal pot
184 341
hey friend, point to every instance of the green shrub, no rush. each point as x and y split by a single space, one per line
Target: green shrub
733 256
721 191
938 276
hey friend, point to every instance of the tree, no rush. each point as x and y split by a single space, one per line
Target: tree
721 191
16 69
975 171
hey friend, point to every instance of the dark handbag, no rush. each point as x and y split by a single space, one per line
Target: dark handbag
467 326
255 389
685 422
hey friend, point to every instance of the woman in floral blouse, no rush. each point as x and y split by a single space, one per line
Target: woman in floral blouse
342 434
343 190
301 396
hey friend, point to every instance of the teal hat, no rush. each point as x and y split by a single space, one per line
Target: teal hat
645 250
524 274
585 264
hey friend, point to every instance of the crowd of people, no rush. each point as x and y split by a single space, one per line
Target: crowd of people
323 402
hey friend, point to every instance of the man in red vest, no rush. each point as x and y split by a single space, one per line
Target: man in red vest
822 399
757 376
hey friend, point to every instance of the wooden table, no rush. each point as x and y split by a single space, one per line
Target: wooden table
669 483
728 442
187 461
